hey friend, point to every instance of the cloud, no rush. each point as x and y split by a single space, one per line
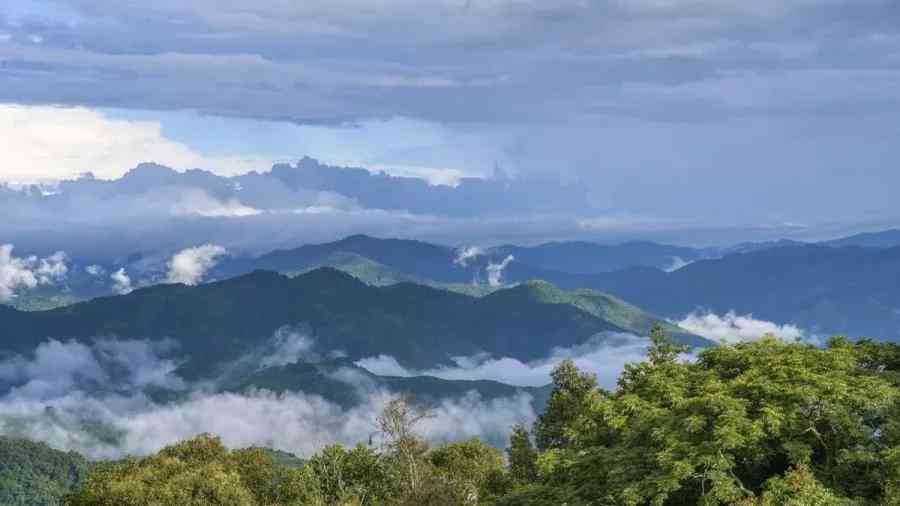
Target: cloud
677 263
466 254
495 271
605 355
58 368
121 282
96 270
93 398
189 266
27 273
289 345
734 328
42 142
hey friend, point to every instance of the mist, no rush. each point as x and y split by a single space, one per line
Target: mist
732 328
104 400
605 355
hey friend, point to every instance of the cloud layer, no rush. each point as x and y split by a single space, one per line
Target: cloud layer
97 399
733 328
605 355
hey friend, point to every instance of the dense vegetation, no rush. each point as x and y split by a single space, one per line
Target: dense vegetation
33 474
420 326
758 423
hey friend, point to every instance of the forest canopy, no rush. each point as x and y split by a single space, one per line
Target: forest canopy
766 422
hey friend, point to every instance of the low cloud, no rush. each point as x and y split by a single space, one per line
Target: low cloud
605 355
190 265
495 271
95 270
58 368
289 345
18 273
121 282
466 254
677 263
734 328
95 399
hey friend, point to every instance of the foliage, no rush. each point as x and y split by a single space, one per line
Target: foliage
33 474
572 394
218 323
763 422
760 423
522 456
197 472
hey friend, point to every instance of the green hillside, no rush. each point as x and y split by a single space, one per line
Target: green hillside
420 326
33 474
347 384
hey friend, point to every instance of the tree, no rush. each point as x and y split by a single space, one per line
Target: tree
397 425
359 475
759 422
569 400
33 474
473 471
197 472
522 456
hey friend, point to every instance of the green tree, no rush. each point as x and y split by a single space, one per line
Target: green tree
33 474
472 470
197 472
572 394
359 475
763 420
522 456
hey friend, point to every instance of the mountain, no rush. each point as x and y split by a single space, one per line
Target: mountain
883 239
423 262
826 290
578 257
750 247
340 380
217 323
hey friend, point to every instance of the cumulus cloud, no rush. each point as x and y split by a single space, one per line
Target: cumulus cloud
604 355
495 271
734 328
18 273
40 142
121 282
189 266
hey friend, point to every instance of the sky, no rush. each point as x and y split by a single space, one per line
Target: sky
773 115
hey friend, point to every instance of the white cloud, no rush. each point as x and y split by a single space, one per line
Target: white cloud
27 273
495 271
121 282
466 254
188 266
677 263
66 390
58 368
45 142
605 355
289 346
95 270
733 328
